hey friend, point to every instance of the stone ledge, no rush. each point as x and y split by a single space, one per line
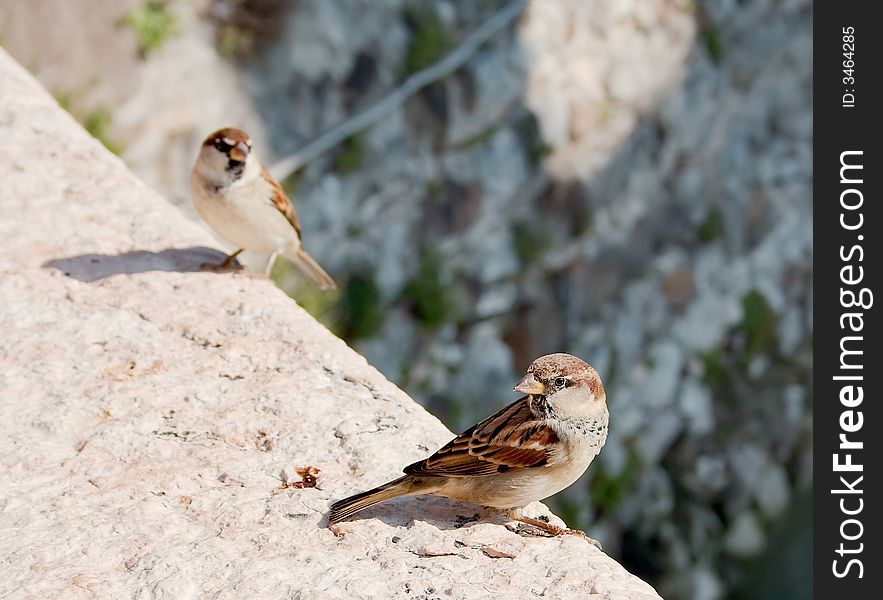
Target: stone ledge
151 412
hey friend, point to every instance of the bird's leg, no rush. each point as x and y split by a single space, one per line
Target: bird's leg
552 529
272 261
230 258
224 265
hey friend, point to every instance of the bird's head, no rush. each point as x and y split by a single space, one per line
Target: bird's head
225 156
569 384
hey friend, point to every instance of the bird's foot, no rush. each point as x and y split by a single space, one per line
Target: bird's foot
230 263
553 530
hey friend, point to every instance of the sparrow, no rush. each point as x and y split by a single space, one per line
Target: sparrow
527 451
242 202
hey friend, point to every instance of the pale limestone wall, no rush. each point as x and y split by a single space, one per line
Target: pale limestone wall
150 412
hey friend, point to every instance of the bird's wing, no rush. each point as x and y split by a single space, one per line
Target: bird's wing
282 201
512 438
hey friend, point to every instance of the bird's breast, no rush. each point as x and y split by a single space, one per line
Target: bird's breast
245 216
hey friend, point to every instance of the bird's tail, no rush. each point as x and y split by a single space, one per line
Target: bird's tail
347 507
311 269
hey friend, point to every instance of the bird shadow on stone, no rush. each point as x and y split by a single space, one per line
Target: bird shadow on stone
94 267
441 513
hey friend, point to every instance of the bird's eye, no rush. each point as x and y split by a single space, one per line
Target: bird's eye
560 382
223 146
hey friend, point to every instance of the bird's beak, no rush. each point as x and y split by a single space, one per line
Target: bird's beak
238 152
530 385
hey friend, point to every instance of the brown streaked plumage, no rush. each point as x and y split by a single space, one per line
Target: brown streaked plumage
282 202
527 451
493 446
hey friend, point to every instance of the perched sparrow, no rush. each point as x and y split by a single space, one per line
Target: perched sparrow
533 448
246 206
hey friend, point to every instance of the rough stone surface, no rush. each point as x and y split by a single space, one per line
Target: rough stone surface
627 181
152 413
596 66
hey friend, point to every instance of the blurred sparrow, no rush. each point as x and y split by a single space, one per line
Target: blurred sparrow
533 448
246 206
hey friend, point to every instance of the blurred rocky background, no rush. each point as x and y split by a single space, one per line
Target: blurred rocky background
626 180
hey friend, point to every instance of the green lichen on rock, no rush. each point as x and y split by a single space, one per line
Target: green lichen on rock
427 294
97 121
152 23
430 37
359 313
479 139
714 45
715 371
530 240
528 131
712 226
758 324
353 311
607 489
351 154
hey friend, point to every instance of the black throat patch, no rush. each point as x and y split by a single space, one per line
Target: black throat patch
235 168
541 408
